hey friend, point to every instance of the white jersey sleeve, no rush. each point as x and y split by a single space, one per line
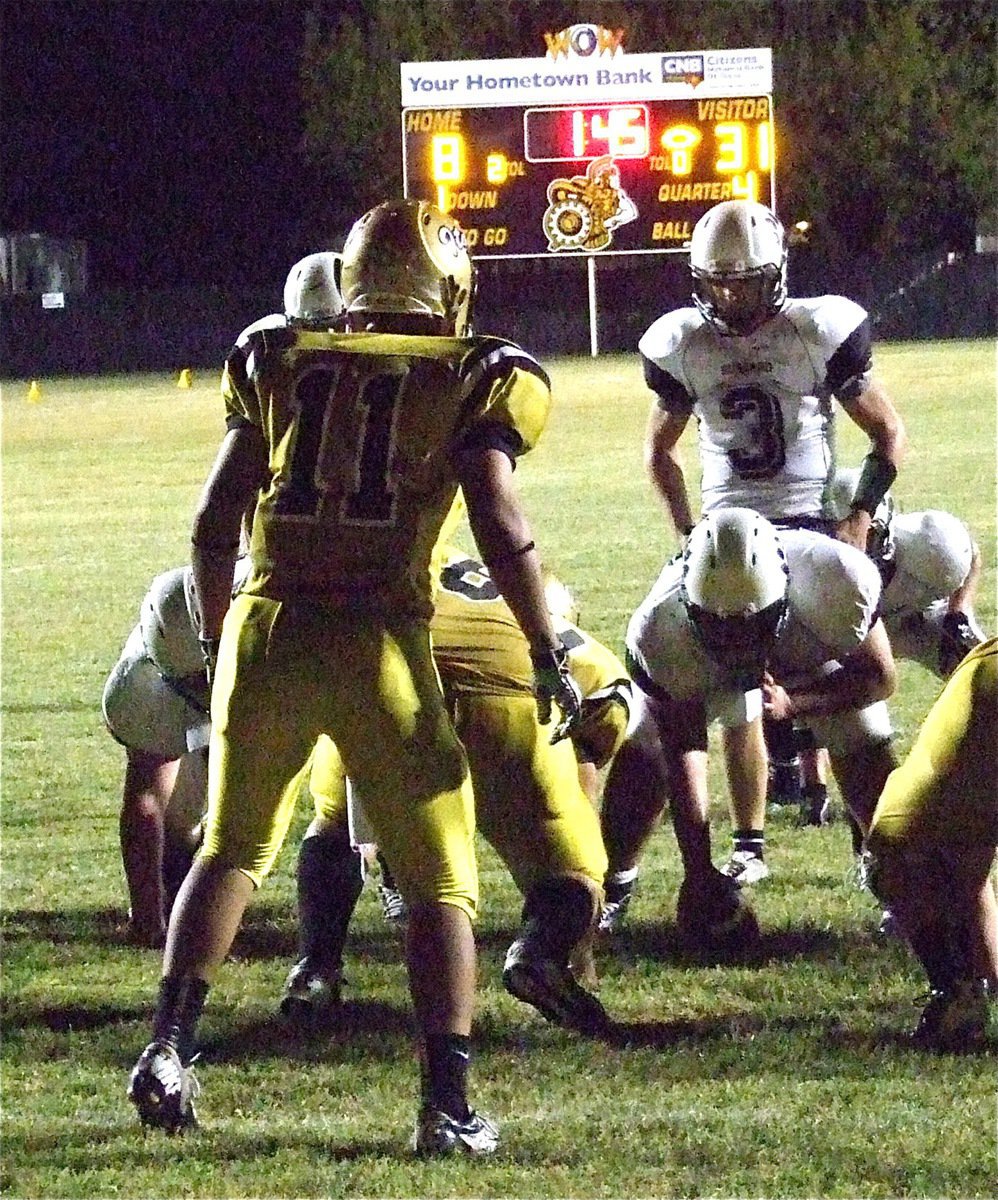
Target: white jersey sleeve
834 602
763 402
933 552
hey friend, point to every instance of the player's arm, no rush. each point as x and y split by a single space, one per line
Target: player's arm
237 474
959 633
874 412
664 465
682 730
504 540
861 678
667 420
962 600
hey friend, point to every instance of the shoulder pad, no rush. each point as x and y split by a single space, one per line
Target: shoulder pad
825 321
491 357
273 321
665 336
834 588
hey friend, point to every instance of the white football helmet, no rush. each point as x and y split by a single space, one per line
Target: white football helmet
738 259
311 292
169 636
406 257
838 506
935 548
735 587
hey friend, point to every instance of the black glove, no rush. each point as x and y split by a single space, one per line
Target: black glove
209 652
956 641
553 682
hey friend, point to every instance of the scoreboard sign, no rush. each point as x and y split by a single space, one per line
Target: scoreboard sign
600 153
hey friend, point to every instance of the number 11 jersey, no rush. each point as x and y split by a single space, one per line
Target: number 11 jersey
364 432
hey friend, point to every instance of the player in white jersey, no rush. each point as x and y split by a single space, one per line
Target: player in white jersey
749 622
155 703
930 565
931 568
155 699
763 375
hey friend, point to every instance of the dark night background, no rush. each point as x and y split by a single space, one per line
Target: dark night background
164 134
200 147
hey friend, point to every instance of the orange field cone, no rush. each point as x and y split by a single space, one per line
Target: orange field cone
34 392
185 379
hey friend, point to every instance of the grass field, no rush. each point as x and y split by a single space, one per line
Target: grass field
788 1077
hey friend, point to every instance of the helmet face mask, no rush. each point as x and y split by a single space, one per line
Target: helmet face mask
741 644
738 260
735 589
405 258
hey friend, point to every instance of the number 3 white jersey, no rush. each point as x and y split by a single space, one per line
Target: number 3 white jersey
763 403
833 597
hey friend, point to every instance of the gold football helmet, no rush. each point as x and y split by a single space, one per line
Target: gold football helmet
407 257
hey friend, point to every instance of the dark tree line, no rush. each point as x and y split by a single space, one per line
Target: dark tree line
885 109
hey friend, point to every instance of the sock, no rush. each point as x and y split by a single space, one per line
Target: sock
329 885
444 1073
557 913
387 878
752 841
816 801
619 884
178 1010
856 833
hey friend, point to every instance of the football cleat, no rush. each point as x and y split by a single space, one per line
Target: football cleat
310 997
163 1089
393 907
613 912
552 989
745 868
955 1019
438 1134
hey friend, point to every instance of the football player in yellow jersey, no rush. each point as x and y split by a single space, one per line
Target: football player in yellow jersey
529 801
355 444
931 849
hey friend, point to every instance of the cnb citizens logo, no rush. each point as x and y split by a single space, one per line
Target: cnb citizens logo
583 41
682 68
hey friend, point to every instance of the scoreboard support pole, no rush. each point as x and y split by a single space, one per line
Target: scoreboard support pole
593 321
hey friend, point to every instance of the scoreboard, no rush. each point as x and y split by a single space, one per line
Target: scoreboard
573 169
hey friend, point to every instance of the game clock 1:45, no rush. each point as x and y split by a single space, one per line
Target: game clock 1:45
620 178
